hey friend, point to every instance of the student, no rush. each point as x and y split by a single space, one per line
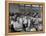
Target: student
32 27
17 25
11 26
25 24
20 20
28 28
39 24
11 23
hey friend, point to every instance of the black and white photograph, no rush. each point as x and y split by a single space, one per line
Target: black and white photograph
25 17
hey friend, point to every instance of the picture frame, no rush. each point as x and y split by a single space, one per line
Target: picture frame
7 20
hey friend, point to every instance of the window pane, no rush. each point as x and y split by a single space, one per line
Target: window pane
27 8
35 5
14 8
21 8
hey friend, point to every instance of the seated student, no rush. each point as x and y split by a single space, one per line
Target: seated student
32 28
37 20
39 24
11 23
17 25
25 24
28 28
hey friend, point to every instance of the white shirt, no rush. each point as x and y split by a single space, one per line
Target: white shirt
20 20
17 26
25 20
